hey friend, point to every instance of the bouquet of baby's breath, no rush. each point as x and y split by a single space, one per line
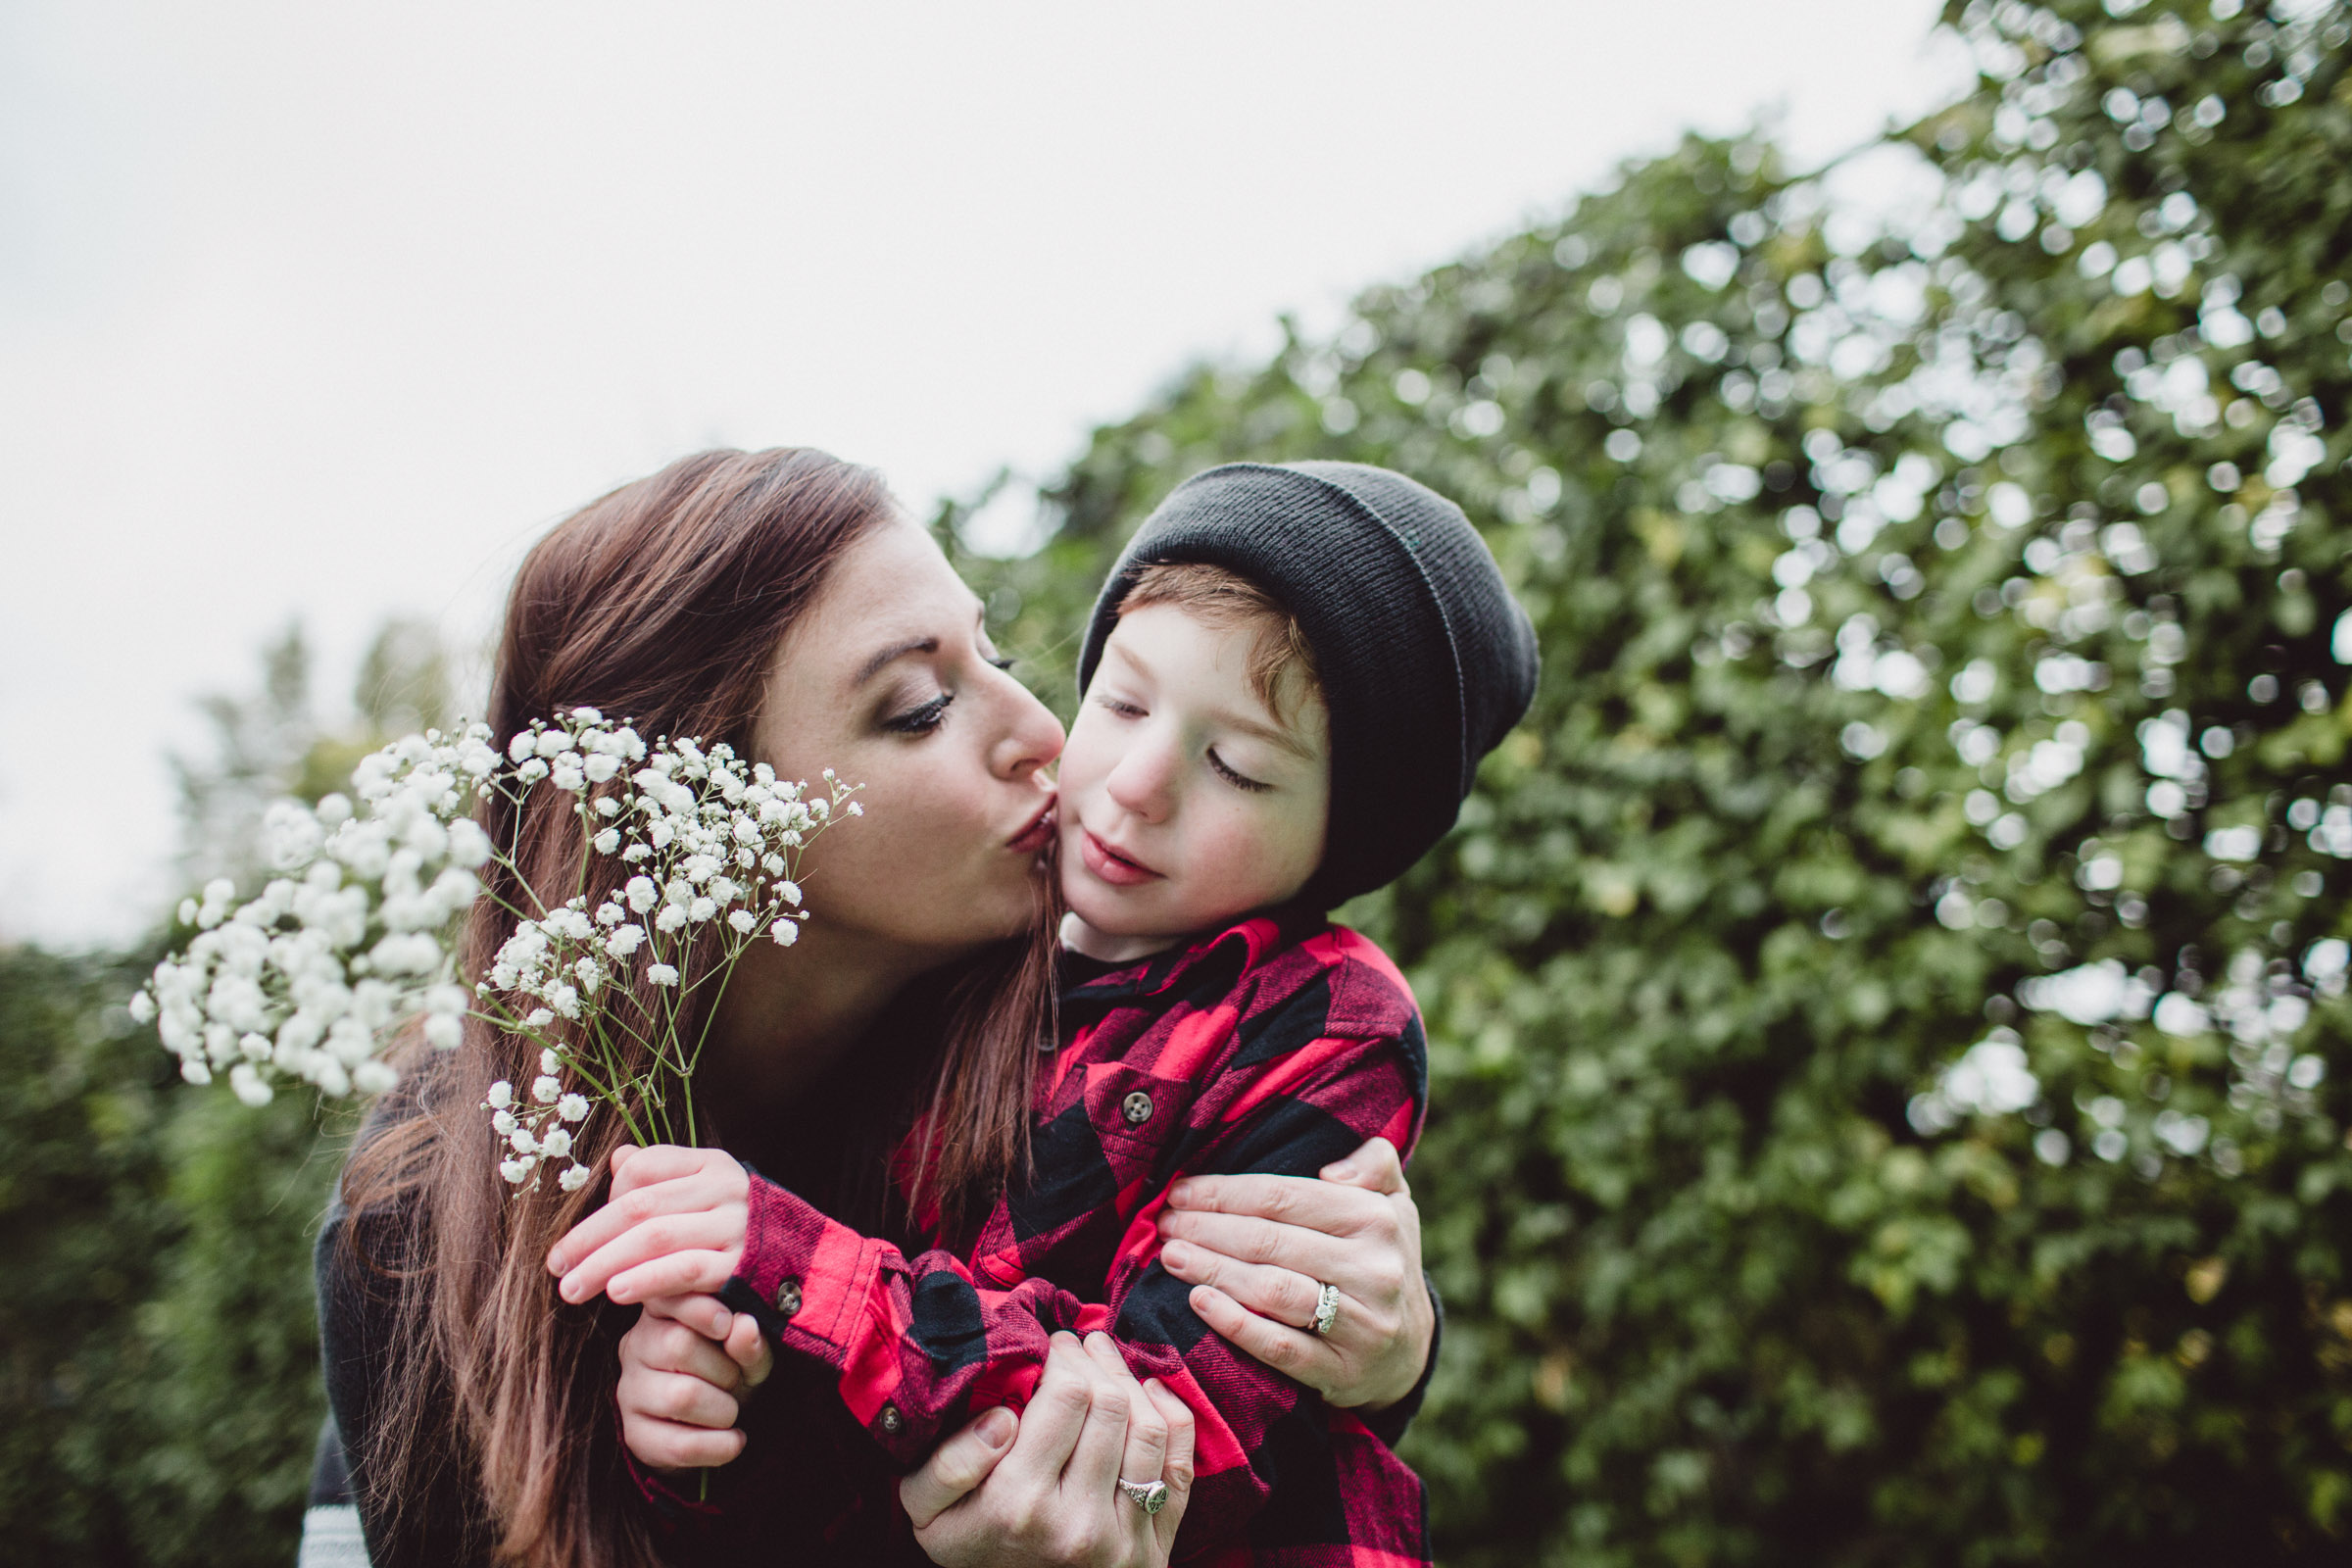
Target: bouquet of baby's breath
351 941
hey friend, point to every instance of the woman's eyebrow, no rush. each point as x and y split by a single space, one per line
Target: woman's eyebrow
913 645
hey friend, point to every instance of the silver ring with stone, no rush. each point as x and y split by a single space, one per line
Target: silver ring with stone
1327 1310
1151 1497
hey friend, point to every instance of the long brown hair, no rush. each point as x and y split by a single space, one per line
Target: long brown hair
662 601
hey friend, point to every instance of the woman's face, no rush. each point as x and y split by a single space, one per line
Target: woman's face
889 679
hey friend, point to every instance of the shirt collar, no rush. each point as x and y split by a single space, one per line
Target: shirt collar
1243 943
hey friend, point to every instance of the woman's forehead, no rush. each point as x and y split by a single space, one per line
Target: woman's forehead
892 589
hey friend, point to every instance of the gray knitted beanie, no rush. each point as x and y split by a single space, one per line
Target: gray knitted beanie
1426 659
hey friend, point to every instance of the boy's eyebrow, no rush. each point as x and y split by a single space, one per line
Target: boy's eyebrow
1273 735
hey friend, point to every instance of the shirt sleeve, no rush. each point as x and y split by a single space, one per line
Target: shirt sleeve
920 1344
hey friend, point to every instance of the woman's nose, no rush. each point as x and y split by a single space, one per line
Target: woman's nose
1032 736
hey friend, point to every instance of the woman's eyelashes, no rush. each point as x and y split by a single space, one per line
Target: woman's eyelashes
927 717
923 719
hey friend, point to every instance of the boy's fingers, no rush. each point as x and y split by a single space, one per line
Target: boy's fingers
655 1162
623 1211
698 1271
697 1230
1375 1167
958 1467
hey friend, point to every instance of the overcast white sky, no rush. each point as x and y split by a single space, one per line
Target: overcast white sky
324 311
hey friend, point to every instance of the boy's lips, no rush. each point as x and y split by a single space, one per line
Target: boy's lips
1035 836
1109 865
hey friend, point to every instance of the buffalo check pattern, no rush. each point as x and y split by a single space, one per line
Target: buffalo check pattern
1264 1046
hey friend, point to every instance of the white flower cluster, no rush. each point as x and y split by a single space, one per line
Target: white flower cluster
710 849
309 979
538 1126
313 976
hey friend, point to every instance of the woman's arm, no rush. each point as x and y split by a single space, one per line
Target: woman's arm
356 1316
917 1343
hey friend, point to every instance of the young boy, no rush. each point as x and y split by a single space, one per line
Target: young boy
1289 681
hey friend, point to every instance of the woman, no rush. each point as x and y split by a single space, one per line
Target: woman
478 1407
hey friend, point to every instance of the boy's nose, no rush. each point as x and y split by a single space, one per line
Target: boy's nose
1139 784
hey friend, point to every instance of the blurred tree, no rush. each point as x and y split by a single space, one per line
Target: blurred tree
161 1387
1886 1001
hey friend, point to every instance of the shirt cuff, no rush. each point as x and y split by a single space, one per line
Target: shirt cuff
803 1276
1388 1424
815 1287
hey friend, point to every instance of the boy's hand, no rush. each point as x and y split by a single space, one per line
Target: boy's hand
681 1392
673 1226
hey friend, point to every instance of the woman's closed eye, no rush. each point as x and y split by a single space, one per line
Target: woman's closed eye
923 719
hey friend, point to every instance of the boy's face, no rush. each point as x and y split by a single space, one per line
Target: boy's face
1183 800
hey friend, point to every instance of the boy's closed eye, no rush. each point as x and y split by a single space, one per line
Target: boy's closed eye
1231 775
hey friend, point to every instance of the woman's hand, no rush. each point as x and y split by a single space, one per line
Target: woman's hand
1258 1251
681 1391
1042 1490
673 1226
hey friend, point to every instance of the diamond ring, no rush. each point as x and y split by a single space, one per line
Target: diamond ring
1327 1310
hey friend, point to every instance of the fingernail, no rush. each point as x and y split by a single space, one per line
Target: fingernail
1340 1170
556 1263
725 1322
997 1427
1181 1194
1176 1258
1200 1296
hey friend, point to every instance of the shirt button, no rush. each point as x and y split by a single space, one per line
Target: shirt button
788 1297
890 1420
1136 1108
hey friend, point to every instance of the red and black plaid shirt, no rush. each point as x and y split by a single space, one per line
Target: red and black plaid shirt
1259 1049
